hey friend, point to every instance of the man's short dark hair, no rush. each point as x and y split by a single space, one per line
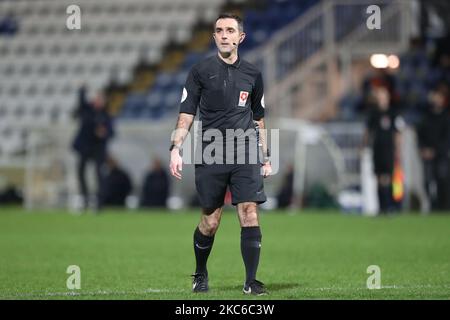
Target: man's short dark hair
231 16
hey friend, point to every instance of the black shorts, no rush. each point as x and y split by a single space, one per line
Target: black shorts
245 182
383 164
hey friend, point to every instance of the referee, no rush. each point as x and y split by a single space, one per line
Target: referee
229 94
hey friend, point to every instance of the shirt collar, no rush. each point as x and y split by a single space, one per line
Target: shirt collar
236 64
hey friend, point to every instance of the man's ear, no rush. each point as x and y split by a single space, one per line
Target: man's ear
241 37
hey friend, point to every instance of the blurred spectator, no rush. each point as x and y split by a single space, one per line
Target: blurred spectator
383 135
412 80
117 185
8 25
286 192
433 134
95 131
441 61
10 195
155 188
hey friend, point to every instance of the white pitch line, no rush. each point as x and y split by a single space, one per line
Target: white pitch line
152 290
88 293
428 286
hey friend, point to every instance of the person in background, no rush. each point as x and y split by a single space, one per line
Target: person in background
155 188
117 184
286 193
376 79
383 134
433 133
91 141
10 195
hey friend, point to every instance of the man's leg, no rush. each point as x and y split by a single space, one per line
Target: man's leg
429 182
250 245
100 175
385 192
211 184
203 242
81 172
204 237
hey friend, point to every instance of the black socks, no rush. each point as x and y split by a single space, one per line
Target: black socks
385 198
250 249
202 247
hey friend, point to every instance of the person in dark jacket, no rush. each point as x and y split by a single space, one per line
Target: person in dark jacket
155 189
91 140
433 134
117 184
383 134
286 192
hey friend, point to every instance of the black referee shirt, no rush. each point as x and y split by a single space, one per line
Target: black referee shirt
229 96
383 126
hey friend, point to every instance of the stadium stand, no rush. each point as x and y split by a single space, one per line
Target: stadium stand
131 48
43 63
261 20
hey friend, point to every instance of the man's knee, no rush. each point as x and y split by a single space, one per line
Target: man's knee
248 214
210 221
209 226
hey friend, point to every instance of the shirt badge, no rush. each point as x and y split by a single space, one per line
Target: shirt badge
184 95
243 95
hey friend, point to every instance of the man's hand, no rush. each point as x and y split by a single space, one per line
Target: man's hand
101 131
267 169
176 163
427 153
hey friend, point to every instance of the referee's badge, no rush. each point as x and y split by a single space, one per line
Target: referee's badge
243 95
184 95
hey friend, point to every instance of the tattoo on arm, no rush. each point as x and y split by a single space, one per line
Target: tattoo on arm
184 124
262 135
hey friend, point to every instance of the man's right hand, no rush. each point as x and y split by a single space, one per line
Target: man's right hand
176 163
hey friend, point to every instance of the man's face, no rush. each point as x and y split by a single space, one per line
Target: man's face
382 98
226 33
437 99
99 101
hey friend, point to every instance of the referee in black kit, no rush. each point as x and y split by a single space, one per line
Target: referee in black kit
229 94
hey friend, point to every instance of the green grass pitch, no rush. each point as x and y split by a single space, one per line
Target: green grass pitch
149 255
